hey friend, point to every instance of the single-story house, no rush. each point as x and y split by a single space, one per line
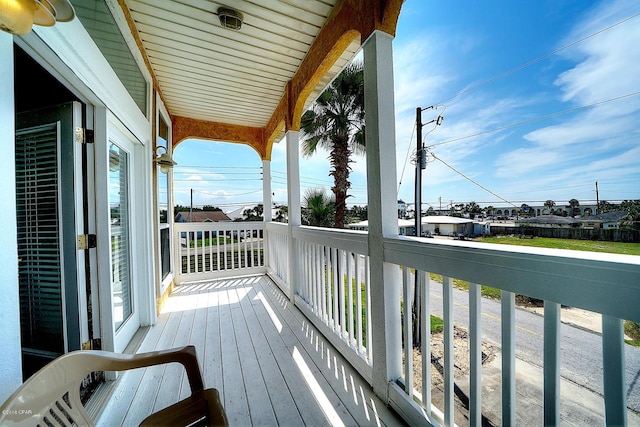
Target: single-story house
443 225
202 216
605 221
548 221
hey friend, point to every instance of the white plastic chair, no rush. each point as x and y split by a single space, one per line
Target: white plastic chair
52 395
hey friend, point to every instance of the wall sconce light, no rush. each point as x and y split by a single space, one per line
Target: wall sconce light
18 16
164 160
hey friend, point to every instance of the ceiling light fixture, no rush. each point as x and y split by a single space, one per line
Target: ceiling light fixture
230 18
18 16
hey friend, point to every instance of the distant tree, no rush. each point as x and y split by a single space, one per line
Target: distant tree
431 211
550 204
472 208
357 214
254 214
604 207
575 207
319 208
209 208
282 214
526 209
489 210
457 209
632 219
180 208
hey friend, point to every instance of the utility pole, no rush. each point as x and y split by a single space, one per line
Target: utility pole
420 154
597 199
421 164
191 208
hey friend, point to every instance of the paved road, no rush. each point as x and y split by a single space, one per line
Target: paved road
581 353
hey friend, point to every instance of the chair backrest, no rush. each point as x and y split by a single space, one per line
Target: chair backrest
52 395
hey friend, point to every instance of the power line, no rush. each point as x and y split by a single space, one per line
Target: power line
218 167
217 173
538 59
406 159
220 179
471 180
226 195
548 116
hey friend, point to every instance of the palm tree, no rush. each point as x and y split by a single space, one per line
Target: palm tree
489 210
318 208
575 209
282 214
336 123
550 204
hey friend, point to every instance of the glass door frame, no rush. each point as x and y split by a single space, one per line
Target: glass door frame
110 130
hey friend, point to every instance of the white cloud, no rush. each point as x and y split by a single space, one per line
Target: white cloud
605 67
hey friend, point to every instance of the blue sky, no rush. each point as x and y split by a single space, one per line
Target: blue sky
542 100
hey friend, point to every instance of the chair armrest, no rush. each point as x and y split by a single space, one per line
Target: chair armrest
107 361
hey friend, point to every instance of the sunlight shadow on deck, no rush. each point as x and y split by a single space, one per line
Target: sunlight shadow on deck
274 317
316 389
285 374
191 294
330 365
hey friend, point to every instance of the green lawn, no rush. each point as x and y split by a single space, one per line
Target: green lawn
578 245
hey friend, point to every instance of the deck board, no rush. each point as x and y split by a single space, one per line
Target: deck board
270 365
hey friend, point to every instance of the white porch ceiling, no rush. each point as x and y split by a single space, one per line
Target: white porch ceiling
211 73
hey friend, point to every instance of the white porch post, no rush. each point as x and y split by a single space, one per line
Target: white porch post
383 217
10 356
266 190
293 197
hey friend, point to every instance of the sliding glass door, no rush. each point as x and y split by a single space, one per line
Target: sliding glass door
120 235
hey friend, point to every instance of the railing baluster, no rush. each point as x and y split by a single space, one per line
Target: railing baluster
475 356
407 331
328 274
246 248
320 261
368 296
358 303
551 363
211 250
447 310
425 339
218 266
343 309
316 282
615 398
336 292
508 316
350 324
188 234
224 248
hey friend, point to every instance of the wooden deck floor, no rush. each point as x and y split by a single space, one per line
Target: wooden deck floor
269 363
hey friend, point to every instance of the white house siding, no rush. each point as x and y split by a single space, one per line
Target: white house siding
81 68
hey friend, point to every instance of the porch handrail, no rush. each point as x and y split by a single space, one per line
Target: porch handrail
209 250
604 283
601 282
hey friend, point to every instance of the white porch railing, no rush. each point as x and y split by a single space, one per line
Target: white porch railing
278 253
604 283
205 250
332 289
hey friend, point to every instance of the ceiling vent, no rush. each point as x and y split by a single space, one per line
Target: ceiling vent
230 18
